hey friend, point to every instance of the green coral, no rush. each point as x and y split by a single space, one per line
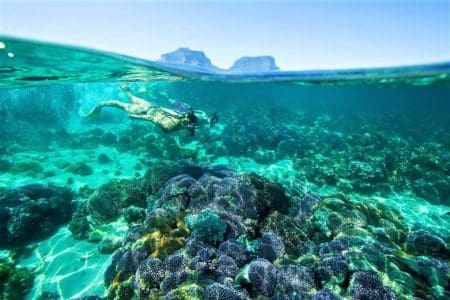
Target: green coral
15 282
81 168
207 226
28 167
187 291
108 202
288 228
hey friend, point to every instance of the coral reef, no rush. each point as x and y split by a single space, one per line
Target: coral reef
32 212
322 247
109 200
271 246
206 226
263 277
80 168
15 282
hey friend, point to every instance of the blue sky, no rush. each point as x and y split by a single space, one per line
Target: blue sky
299 34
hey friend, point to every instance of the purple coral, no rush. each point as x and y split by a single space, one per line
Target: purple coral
175 192
202 262
325 294
292 278
271 246
218 291
234 250
306 206
149 275
263 276
226 266
229 193
131 259
194 245
332 265
367 285
175 265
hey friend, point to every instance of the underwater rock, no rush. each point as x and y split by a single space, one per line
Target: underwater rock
15 282
103 159
122 291
5 165
79 225
331 237
365 176
92 298
333 269
245 137
32 168
160 172
250 197
263 277
133 234
160 219
108 139
282 296
112 275
133 214
32 212
431 275
109 200
174 195
423 242
306 206
81 168
290 147
157 175
162 242
435 189
229 194
287 228
236 225
108 246
270 195
367 285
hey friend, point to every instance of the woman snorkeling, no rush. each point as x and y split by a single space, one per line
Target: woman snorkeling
168 119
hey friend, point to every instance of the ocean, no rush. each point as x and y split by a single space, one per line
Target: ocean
330 184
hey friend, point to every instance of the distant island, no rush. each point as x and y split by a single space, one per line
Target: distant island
198 59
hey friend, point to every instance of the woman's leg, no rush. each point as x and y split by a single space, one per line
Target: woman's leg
111 103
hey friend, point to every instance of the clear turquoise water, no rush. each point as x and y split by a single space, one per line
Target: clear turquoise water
373 136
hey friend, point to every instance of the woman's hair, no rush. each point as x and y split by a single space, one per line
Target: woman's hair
190 115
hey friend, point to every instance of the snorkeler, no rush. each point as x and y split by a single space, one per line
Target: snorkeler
169 120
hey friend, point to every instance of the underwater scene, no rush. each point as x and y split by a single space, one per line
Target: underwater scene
127 179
